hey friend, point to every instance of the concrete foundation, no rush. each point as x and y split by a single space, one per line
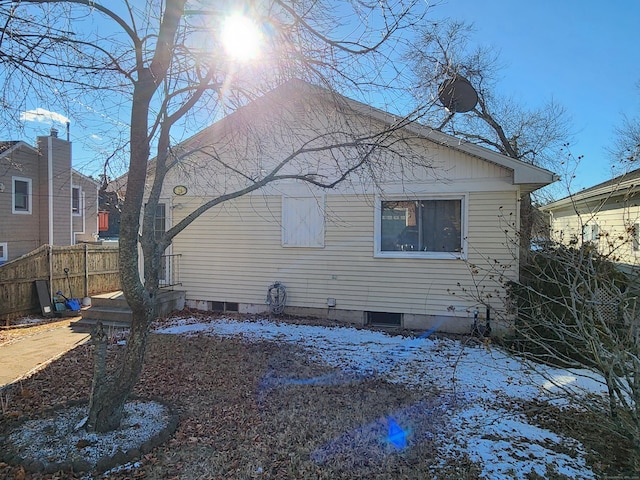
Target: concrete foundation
461 325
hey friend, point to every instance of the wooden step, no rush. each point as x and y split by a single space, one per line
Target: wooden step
112 299
88 324
113 311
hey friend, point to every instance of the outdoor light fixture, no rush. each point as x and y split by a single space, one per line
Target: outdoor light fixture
180 190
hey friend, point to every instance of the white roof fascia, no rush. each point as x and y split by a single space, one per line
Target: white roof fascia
523 173
596 194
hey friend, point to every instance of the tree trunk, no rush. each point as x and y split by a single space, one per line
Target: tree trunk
110 392
527 221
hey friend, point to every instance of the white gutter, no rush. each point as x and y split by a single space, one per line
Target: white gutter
50 185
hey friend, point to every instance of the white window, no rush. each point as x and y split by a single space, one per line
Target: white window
4 254
160 223
76 200
590 233
635 232
423 228
22 198
303 222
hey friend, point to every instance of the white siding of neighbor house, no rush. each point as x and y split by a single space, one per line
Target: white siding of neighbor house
614 220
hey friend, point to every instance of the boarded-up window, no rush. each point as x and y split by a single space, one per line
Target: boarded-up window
303 222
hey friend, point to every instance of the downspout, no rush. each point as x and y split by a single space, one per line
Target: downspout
50 185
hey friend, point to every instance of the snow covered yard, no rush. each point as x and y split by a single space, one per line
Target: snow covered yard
479 390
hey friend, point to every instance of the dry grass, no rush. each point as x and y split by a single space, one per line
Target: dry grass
247 410
252 410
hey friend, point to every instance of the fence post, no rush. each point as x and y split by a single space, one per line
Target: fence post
86 269
50 255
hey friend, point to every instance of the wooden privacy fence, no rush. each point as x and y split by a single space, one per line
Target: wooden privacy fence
92 269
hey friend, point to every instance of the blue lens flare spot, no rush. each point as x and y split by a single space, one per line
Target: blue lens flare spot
397 436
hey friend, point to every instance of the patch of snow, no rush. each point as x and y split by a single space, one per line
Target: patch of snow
481 379
55 439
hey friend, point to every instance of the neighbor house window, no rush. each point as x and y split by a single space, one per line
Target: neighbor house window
303 222
4 255
422 227
21 195
76 201
590 233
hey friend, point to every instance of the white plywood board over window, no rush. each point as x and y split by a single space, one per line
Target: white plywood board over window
303 221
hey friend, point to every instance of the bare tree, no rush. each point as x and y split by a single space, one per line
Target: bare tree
576 309
625 150
163 63
445 50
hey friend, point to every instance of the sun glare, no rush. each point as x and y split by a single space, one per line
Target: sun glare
241 37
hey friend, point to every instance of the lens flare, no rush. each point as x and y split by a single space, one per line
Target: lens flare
241 37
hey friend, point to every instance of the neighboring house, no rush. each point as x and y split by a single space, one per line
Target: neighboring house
606 215
109 215
423 245
42 199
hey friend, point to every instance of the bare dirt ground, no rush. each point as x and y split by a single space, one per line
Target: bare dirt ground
235 425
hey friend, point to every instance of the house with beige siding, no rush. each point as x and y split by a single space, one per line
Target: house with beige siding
606 215
43 200
420 237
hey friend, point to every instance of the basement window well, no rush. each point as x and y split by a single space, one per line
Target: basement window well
384 319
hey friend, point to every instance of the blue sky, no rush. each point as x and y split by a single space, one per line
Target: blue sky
585 54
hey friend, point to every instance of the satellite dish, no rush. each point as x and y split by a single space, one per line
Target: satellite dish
458 95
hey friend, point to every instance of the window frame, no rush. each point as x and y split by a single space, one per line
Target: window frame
464 214
29 183
77 212
4 253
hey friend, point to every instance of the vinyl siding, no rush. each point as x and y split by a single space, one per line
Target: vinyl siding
26 232
614 221
85 224
234 253
61 188
21 232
